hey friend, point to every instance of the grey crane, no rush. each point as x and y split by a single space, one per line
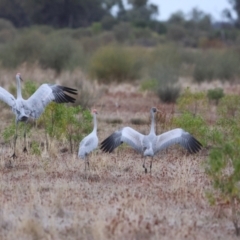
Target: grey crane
149 145
90 142
34 106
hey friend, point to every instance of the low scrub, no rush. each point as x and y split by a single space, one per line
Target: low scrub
60 53
114 64
217 64
223 163
25 48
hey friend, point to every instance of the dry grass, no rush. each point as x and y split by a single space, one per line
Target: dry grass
51 197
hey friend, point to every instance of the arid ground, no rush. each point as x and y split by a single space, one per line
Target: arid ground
52 197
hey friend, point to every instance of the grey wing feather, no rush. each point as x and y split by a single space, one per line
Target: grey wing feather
45 94
127 135
7 97
177 136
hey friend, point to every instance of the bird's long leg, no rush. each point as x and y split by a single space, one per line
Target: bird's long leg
86 163
25 144
144 165
15 140
151 165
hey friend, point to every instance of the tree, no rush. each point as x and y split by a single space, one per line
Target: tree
236 7
141 13
57 13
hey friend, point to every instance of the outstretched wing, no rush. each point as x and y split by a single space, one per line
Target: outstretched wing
7 97
178 136
47 93
126 135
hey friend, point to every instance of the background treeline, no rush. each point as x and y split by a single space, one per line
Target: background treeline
115 40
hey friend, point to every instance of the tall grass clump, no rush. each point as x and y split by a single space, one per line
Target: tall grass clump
114 63
164 68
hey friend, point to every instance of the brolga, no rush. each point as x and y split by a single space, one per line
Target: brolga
34 106
90 142
151 144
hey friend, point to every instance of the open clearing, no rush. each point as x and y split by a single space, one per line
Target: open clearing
51 197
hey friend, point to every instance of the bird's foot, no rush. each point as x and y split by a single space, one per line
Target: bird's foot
25 149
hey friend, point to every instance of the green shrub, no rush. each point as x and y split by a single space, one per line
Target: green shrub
215 94
65 122
194 124
192 102
111 64
223 163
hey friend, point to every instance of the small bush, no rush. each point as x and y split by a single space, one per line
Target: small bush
215 94
110 64
168 93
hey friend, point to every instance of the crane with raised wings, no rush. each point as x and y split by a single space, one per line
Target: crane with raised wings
151 144
35 105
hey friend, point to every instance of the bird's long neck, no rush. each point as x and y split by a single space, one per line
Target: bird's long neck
19 90
94 123
152 130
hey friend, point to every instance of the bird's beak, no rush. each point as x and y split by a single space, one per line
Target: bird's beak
159 111
21 79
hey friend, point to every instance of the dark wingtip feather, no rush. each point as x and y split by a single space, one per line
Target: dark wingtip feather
194 145
61 96
107 145
69 90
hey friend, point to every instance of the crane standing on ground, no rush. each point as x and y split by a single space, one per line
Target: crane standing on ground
35 105
149 145
90 142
